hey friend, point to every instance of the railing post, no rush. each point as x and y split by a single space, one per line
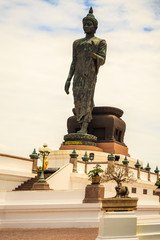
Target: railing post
149 174
157 172
125 162
73 160
34 157
85 158
138 165
111 162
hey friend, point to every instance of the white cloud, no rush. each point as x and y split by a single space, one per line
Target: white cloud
35 64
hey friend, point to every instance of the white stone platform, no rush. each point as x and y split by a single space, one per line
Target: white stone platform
47 209
65 179
148 226
64 209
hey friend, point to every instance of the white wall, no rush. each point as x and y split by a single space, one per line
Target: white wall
15 164
14 171
60 180
64 209
153 178
59 158
65 179
144 176
39 197
47 209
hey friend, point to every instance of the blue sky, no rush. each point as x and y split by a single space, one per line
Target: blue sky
36 49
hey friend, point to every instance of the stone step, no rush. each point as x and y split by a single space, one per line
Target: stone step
29 184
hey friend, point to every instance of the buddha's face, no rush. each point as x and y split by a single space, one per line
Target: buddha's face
88 27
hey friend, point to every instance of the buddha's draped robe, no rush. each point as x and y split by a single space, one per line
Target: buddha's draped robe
85 74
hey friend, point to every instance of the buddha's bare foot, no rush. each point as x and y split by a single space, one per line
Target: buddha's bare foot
83 129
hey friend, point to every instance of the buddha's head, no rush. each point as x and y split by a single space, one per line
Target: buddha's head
90 23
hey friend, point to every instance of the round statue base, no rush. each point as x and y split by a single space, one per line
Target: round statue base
80 147
80 139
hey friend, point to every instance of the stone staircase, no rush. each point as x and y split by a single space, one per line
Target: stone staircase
27 186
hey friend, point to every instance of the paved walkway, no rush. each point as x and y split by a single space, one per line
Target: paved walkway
49 234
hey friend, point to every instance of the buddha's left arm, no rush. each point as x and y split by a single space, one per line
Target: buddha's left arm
100 55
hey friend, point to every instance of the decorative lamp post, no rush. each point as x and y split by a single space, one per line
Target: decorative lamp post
157 172
138 165
148 169
34 157
91 156
73 160
85 158
42 184
45 151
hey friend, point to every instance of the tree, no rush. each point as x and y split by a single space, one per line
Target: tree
158 183
119 174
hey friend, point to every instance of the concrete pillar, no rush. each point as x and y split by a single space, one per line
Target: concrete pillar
138 173
111 163
73 160
157 172
94 193
148 169
34 166
118 226
125 163
85 167
34 157
126 170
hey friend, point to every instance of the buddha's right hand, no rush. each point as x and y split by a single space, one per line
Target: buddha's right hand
67 85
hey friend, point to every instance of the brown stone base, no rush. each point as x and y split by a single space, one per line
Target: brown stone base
41 186
80 147
116 148
119 204
94 193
